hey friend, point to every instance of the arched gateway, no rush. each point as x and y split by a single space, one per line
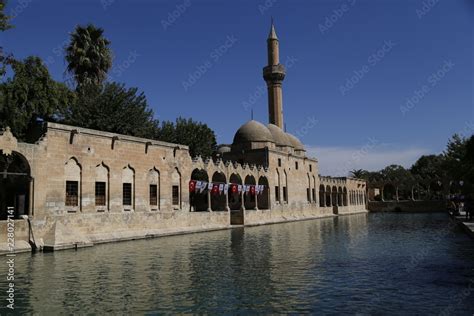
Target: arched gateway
15 185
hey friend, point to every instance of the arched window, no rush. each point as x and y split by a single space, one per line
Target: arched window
277 187
263 198
313 192
218 199
73 175
308 190
101 187
344 196
176 189
235 198
198 198
328 196
322 202
154 189
250 201
334 196
339 197
285 187
128 188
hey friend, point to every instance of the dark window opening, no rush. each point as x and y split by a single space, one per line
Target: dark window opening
153 194
277 193
279 162
310 168
285 195
308 196
100 193
72 193
127 194
175 195
296 165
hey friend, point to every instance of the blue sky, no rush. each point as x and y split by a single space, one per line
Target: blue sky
369 82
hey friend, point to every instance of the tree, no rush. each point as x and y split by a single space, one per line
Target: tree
397 176
453 158
359 173
468 165
198 136
5 59
4 19
31 94
431 170
113 108
88 55
456 148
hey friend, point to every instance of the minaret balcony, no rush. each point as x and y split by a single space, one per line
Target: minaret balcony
274 73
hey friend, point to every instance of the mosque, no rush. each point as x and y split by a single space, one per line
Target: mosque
77 187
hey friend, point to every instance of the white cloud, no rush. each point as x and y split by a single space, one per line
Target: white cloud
338 161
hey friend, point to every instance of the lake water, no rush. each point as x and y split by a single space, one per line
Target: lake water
378 263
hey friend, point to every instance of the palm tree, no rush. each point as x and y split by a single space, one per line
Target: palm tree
359 173
88 55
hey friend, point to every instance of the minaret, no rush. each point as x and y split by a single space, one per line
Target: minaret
274 74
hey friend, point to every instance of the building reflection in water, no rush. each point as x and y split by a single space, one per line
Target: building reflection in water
325 265
251 268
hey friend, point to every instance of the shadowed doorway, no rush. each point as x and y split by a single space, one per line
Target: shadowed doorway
15 185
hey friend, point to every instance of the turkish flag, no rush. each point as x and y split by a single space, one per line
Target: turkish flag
252 190
192 185
215 189
234 188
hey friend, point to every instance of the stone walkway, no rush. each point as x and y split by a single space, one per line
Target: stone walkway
468 226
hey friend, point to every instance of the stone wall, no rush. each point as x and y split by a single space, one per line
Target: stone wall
407 206
67 154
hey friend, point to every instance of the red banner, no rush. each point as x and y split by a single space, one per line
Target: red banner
192 185
252 189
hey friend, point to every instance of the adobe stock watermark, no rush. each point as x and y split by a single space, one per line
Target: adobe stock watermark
19 8
267 5
432 81
261 90
335 16
118 70
467 130
174 15
311 122
357 156
458 299
214 57
10 259
372 61
57 51
422 254
426 8
106 3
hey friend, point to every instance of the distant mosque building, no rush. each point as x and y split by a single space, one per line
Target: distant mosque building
77 187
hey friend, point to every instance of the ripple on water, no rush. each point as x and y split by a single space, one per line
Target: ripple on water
365 264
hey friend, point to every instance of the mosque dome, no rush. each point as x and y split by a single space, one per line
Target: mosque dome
279 136
295 142
223 149
253 131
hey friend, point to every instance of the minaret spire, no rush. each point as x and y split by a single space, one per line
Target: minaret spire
272 34
274 73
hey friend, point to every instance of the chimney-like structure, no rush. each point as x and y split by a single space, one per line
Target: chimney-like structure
274 74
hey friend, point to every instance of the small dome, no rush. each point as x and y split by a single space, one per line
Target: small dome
296 142
223 149
280 137
252 131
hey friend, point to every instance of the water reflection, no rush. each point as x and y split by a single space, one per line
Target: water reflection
327 266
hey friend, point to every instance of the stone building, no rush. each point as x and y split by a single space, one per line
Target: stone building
78 187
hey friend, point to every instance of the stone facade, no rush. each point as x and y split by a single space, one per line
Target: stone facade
76 187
